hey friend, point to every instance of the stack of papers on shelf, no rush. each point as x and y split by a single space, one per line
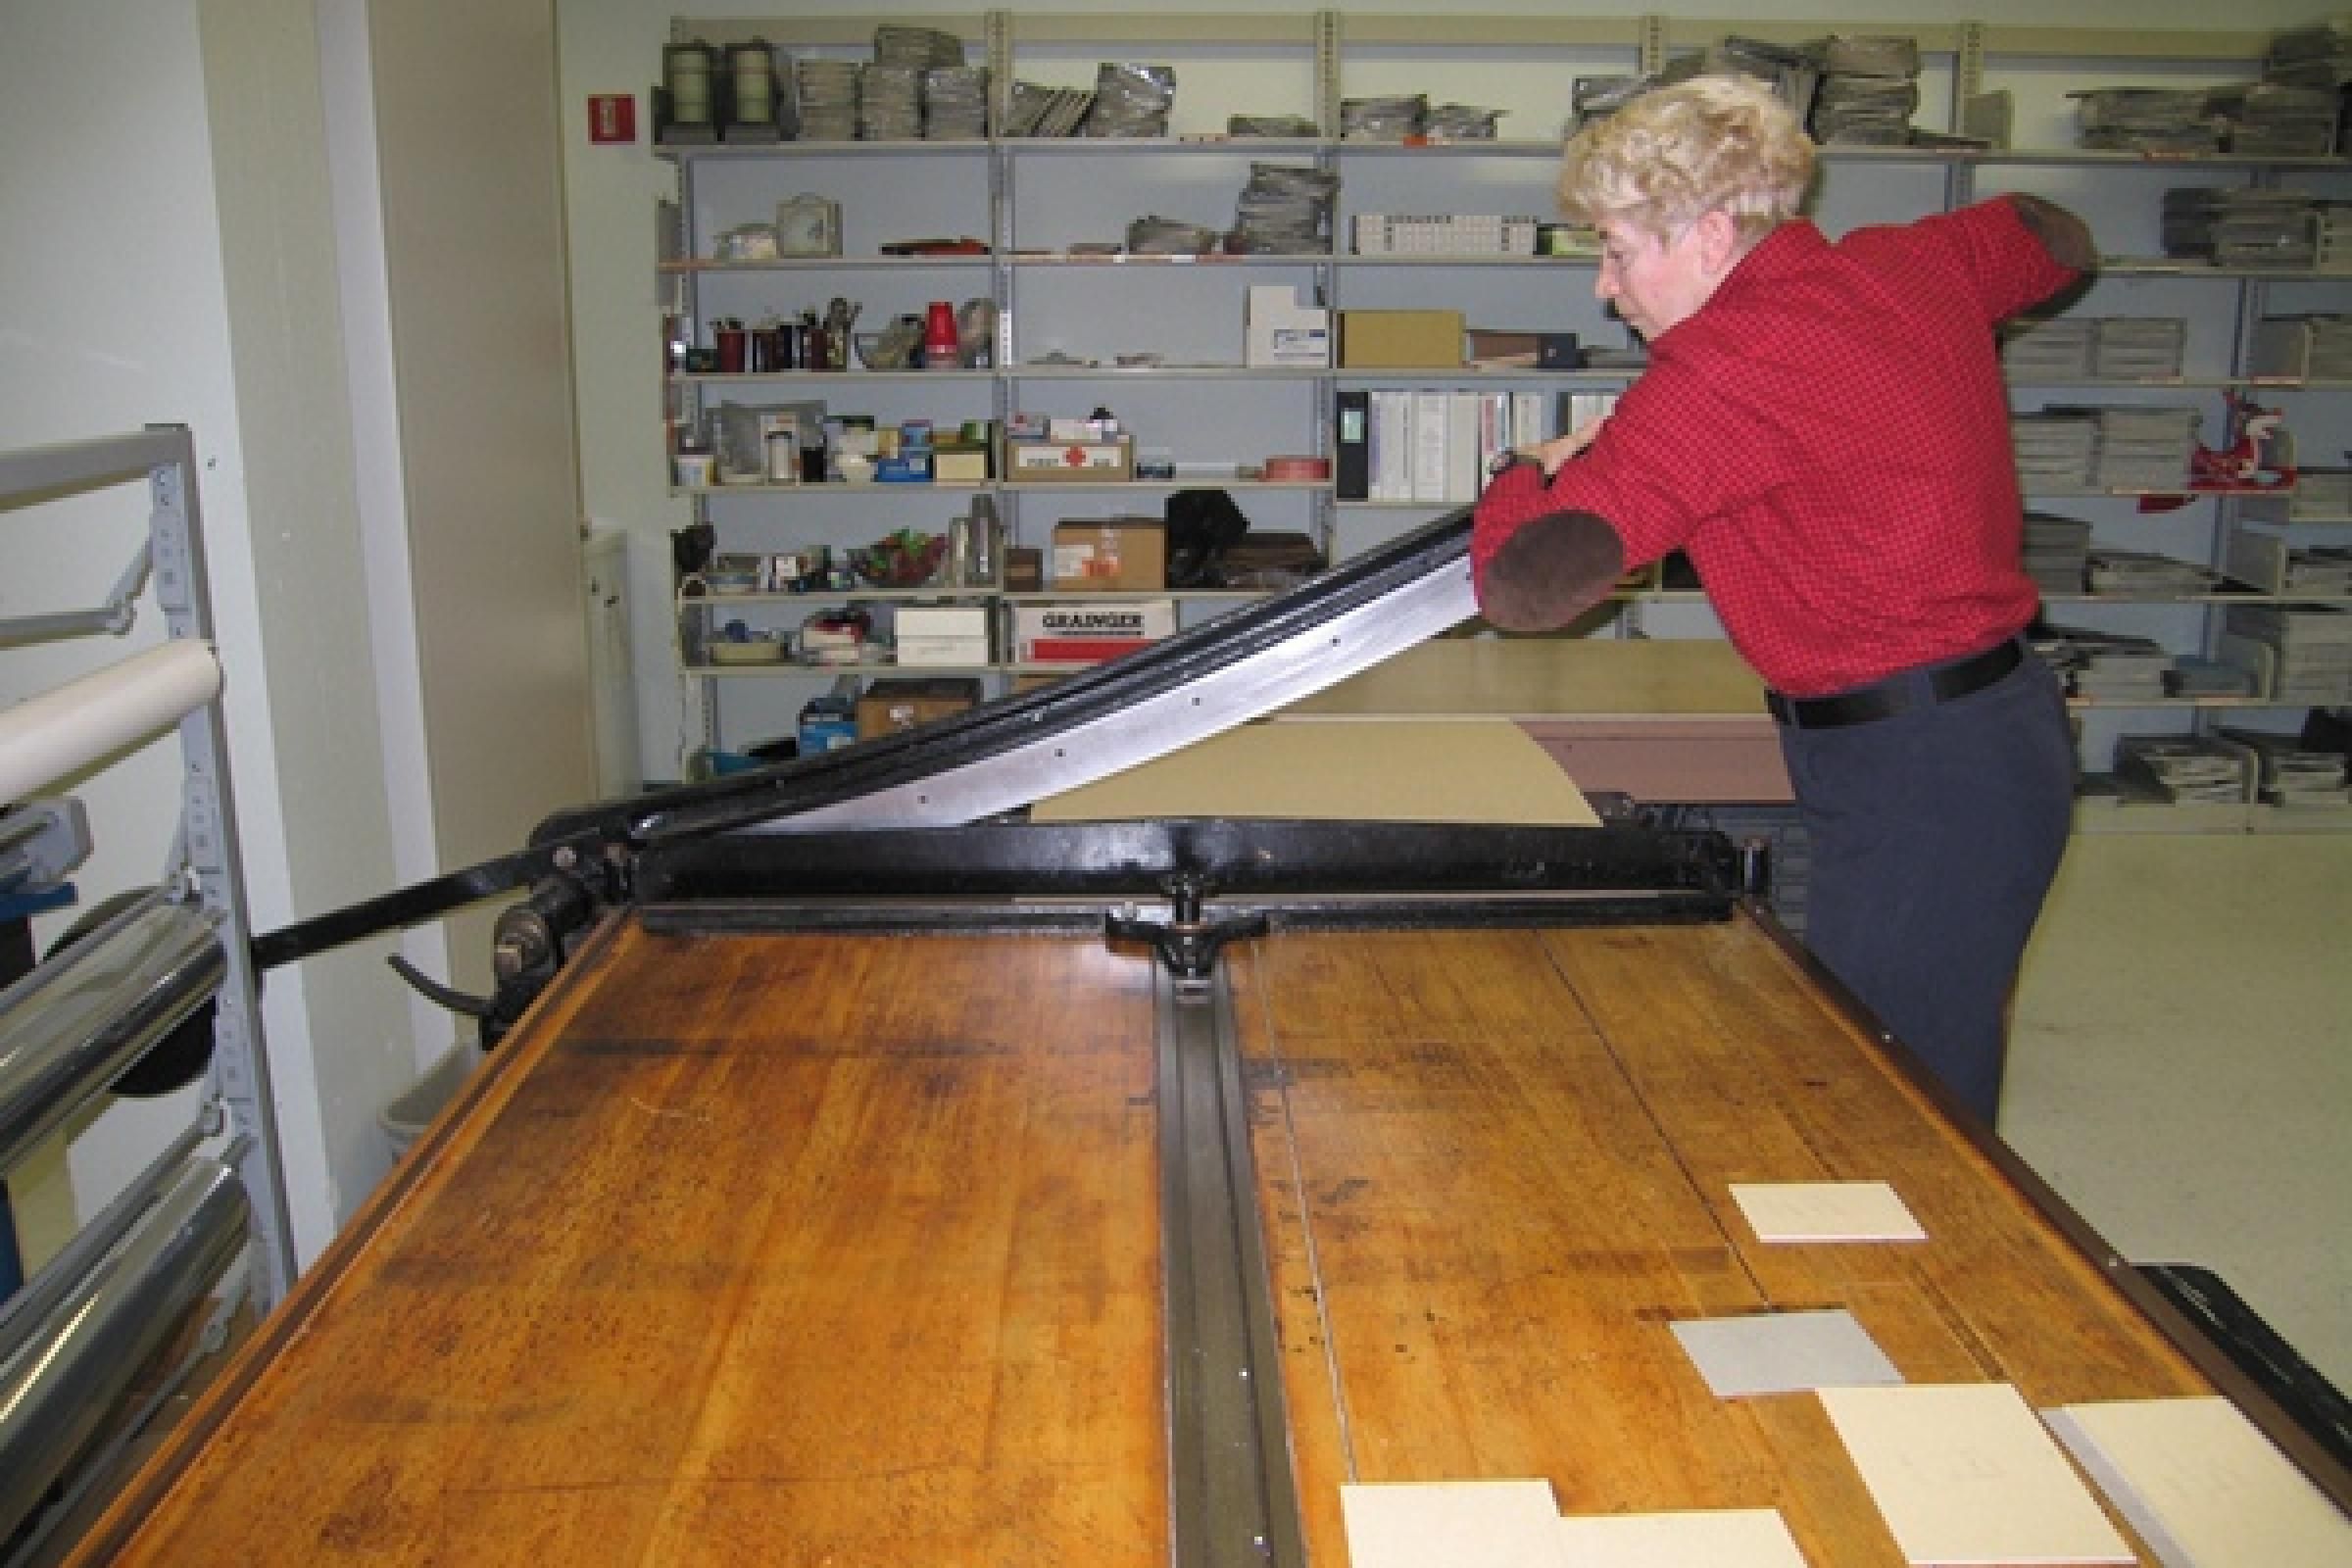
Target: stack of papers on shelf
827 98
2104 664
2187 767
2057 552
2241 226
2143 449
2315 348
1793 73
2317 56
2275 119
1285 211
2054 350
1592 98
2145 575
2323 492
2054 451
2321 571
955 103
2312 648
2148 119
2107 792
2144 348
890 103
2292 775
2333 241
2193 675
1869 90
1046 110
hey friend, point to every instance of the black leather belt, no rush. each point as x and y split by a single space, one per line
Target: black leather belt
1899 694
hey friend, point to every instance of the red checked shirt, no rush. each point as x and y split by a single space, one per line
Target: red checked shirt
1828 439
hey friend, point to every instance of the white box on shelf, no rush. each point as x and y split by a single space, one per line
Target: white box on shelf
1278 330
937 652
967 621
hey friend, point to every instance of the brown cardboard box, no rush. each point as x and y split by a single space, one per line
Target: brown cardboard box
1111 555
1400 340
901 702
1024 571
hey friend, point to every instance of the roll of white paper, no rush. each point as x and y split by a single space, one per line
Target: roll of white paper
44 737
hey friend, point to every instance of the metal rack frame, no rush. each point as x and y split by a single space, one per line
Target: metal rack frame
73 1337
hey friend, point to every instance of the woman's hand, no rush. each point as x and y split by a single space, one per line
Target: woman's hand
1560 448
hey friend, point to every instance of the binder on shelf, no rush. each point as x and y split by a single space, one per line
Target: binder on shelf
1353 471
1428 466
1464 441
1392 455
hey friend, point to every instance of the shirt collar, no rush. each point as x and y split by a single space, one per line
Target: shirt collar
1790 247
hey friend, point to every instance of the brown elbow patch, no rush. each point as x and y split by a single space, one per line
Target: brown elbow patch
2064 235
1550 571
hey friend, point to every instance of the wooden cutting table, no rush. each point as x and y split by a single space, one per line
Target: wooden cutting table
844 1249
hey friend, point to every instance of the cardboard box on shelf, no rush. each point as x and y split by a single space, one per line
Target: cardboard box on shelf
959 463
1081 461
900 703
1277 329
1400 340
1111 555
1089 633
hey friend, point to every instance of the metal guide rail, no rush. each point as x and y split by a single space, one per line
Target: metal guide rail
154 989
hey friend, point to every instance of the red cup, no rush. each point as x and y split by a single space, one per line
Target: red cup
942 349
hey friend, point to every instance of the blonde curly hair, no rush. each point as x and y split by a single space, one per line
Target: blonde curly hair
1677 153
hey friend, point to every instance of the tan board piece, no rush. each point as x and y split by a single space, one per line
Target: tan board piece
1398 771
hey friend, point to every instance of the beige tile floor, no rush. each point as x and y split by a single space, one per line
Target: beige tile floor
2181 1064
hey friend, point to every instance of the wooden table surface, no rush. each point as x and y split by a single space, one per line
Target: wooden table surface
844 1250
1496 1167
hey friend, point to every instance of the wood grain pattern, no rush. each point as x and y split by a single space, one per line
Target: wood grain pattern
845 1250
1496 1167
788 1250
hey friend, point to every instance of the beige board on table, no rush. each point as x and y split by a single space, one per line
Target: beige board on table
1452 1524
1825 1211
1963 1473
1709 1537
2202 1485
1405 770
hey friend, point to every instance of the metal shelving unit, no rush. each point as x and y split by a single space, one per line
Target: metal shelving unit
1344 50
98 1313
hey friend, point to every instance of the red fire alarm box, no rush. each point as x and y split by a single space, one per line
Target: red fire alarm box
611 116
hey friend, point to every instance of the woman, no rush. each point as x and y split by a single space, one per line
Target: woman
1823 430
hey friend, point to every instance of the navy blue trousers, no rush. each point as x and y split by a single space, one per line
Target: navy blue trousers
1934 837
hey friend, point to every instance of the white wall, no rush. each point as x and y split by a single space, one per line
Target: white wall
171 258
615 46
